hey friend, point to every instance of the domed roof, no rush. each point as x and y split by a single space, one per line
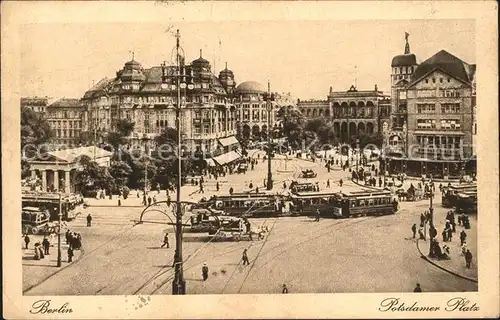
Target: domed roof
132 64
226 71
201 61
250 87
404 60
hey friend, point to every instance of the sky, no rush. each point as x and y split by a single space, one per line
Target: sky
302 57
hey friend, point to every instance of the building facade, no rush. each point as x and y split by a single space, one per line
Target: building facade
148 97
432 121
352 112
66 118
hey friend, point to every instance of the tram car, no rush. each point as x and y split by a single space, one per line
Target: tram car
345 205
71 204
246 204
466 202
450 194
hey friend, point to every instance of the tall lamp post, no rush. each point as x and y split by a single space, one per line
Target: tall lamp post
269 98
145 139
59 232
181 81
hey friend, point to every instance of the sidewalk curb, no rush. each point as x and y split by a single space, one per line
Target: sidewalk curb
53 274
441 267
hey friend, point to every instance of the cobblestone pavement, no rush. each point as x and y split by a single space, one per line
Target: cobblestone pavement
349 255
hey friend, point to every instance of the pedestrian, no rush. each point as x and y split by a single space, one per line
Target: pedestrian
138 195
444 234
463 237
165 241
201 187
414 229
26 241
70 254
119 202
256 189
468 258
421 234
450 234
154 199
68 236
217 186
89 220
245 257
340 182
328 183
144 200
250 185
46 245
231 190
149 200
40 251
284 185
285 289
317 215
417 288
204 272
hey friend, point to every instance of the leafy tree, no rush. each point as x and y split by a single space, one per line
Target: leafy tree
92 176
120 171
35 131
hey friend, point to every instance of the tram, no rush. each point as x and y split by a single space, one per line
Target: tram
450 194
344 205
246 204
71 204
32 218
466 202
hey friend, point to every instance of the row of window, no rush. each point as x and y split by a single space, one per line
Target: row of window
441 80
64 114
446 124
445 108
66 134
404 70
439 141
65 124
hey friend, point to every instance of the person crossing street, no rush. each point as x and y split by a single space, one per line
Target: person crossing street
165 241
245 258
89 220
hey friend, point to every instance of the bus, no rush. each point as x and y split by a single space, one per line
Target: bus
345 205
71 204
246 204
33 217
450 193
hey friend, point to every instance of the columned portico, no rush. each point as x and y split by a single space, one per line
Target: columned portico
67 184
56 180
44 180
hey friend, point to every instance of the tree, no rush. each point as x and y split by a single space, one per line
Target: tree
35 131
118 136
120 171
91 176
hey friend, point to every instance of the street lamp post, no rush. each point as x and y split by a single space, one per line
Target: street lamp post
59 232
269 98
181 79
145 140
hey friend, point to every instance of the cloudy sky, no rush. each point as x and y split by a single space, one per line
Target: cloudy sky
301 57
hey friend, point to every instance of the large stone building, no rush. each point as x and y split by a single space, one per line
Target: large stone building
66 119
433 123
352 112
65 116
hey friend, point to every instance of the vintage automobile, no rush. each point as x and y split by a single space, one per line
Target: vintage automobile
242 167
308 174
33 218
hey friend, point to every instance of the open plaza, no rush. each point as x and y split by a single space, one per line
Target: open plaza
365 254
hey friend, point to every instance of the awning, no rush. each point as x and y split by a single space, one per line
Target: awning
227 158
227 141
210 162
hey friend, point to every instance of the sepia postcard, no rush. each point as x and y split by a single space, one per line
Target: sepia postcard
250 159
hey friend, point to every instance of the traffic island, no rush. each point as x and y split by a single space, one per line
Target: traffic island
455 265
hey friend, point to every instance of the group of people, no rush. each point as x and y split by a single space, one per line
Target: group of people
74 242
41 249
435 249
